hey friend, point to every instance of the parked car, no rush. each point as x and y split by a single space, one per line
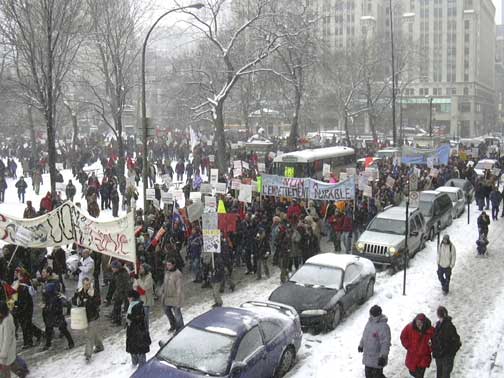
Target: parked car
383 241
325 288
485 164
258 339
436 208
463 184
457 197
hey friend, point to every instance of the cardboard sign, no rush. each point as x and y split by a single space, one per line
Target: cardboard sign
59 166
195 196
289 172
368 191
179 196
237 164
261 167
60 187
214 176
167 180
326 170
206 189
167 197
237 172
220 188
210 202
235 184
195 211
343 176
245 193
211 158
245 165
363 181
151 194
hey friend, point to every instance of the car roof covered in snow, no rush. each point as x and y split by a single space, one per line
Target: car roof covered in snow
334 260
395 212
448 189
230 321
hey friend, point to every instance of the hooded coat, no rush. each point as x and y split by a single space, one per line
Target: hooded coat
137 337
417 343
375 341
446 341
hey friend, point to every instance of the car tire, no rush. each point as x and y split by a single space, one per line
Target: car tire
286 362
432 234
369 291
335 318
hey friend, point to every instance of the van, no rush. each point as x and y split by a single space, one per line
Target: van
437 210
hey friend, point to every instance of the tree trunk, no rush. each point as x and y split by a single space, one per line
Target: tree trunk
294 132
33 140
75 127
218 119
370 111
120 146
347 132
50 109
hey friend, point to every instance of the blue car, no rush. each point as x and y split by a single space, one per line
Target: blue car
255 340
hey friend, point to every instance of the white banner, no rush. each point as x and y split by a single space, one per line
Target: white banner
68 224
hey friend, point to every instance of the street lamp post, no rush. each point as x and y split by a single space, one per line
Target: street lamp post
430 115
144 110
394 127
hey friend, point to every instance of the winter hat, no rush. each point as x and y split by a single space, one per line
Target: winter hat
421 317
133 294
446 237
116 264
375 311
147 268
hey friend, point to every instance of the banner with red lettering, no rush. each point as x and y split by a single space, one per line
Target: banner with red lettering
68 224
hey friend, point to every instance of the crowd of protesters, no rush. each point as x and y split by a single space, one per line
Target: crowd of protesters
267 232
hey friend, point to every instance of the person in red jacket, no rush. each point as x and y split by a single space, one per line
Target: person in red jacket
416 339
336 221
294 212
46 203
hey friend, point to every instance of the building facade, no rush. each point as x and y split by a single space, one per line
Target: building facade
454 66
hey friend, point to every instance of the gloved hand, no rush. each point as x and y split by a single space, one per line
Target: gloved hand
360 349
382 361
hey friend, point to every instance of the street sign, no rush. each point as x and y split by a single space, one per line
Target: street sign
413 183
414 199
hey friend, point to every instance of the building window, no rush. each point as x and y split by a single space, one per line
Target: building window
464 107
466 91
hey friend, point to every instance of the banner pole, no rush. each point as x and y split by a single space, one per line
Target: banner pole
12 258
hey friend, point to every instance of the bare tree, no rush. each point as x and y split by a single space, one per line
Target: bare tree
227 62
45 36
111 61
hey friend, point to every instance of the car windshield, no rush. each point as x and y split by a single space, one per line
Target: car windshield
318 275
484 165
453 196
388 226
186 351
425 208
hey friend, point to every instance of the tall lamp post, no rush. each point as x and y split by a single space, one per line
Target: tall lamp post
394 126
429 98
144 110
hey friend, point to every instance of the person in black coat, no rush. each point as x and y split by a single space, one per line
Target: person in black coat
23 309
445 343
137 336
483 223
53 314
114 197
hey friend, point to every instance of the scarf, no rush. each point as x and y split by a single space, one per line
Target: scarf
131 305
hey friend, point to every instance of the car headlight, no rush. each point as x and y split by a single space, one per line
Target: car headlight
360 246
313 312
392 250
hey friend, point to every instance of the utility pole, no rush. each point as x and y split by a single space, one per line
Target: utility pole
394 127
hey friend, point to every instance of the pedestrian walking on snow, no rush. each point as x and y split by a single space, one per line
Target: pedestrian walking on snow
375 343
172 295
495 200
446 257
445 344
7 341
137 337
416 339
483 223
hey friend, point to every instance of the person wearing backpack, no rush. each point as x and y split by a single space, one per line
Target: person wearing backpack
445 344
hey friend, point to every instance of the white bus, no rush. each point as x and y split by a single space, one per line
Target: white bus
310 163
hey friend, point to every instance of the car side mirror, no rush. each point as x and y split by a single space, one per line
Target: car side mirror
237 369
348 286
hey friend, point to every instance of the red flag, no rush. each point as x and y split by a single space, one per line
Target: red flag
368 162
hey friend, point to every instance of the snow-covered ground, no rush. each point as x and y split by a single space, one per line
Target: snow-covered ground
475 300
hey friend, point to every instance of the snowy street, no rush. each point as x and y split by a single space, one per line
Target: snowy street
474 301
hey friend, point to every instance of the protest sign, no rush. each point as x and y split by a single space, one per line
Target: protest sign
220 188
245 193
151 194
214 176
195 196
368 191
195 211
206 189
